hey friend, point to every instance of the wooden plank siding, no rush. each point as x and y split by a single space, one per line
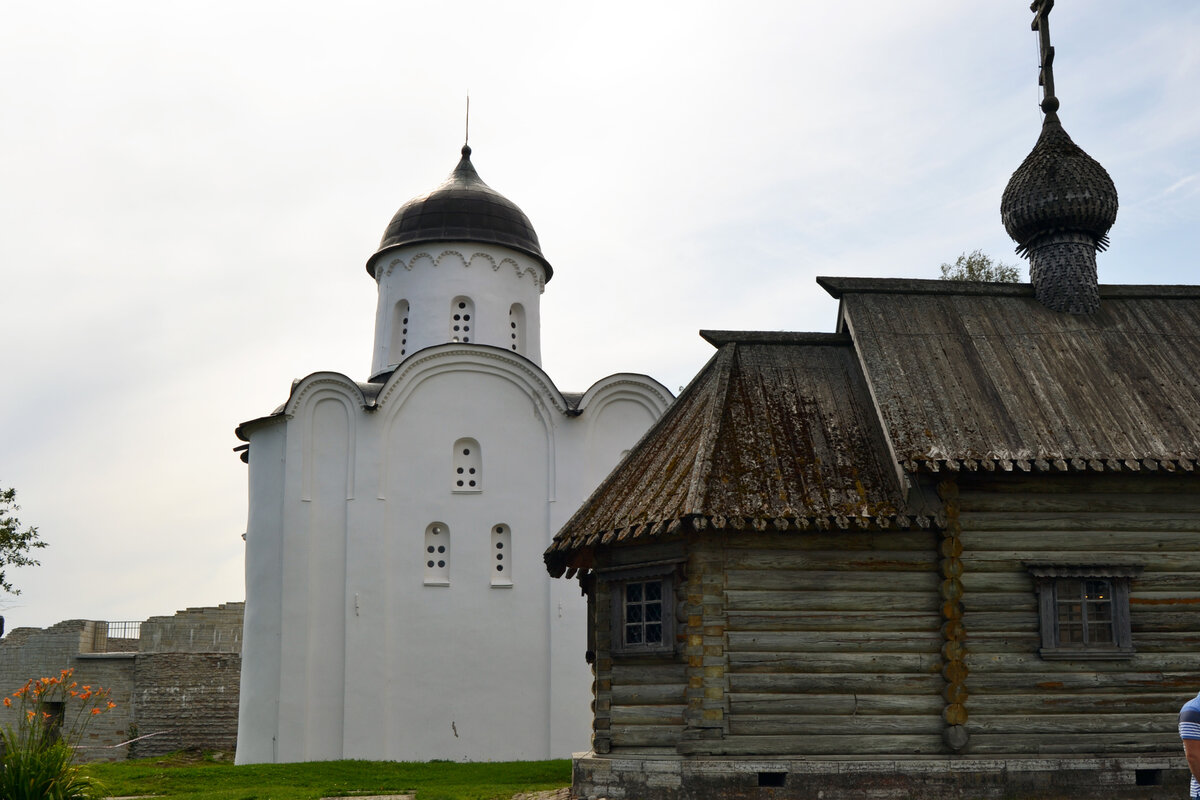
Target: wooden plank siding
1022 704
833 643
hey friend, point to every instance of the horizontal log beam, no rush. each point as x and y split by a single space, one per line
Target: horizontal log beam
1031 664
829 683
643 674
768 577
1073 724
649 694
1104 705
646 715
817 745
793 704
645 735
834 641
1080 684
1084 523
1100 745
862 663
842 560
836 601
861 621
868 726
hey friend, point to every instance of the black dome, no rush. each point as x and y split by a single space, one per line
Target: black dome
462 209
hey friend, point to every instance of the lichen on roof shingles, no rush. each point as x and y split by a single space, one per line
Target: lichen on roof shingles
768 431
966 381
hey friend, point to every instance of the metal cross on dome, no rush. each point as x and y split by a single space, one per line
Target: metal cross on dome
1041 24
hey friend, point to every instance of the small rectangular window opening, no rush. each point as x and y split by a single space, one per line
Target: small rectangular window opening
55 711
775 779
1083 610
643 612
642 607
1149 777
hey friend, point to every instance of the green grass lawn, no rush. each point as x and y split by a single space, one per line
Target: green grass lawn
194 778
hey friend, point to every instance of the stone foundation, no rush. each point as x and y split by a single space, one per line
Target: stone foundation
668 778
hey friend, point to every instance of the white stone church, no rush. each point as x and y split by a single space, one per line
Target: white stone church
397 606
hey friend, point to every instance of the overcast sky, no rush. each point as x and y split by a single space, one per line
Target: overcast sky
189 193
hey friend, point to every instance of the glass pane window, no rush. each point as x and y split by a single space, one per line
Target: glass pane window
1084 610
643 612
641 608
1085 613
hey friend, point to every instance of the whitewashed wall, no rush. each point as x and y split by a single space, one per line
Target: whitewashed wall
349 652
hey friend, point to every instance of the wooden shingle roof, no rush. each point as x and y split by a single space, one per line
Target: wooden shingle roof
982 376
776 430
787 429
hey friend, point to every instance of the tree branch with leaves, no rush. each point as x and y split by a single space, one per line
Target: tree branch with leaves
979 266
15 543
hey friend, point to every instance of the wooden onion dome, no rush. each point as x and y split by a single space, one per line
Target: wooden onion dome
1059 205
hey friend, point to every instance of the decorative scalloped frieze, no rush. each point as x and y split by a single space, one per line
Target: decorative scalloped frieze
435 259
952 465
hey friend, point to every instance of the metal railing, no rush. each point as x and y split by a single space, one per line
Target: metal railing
116 637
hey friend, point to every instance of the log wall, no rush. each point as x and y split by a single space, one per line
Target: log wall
1022 704
639 700
833 641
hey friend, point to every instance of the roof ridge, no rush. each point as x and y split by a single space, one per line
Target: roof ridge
721 338
838 286
703 465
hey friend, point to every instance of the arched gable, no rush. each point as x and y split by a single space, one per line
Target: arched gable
641 389
318 382
545 400
309 395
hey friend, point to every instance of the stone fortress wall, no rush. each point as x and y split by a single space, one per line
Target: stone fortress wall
174 678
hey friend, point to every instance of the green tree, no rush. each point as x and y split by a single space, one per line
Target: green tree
15 544
978 266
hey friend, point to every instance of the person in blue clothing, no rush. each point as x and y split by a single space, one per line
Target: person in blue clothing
1189 731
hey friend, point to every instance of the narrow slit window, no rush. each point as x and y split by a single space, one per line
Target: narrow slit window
462 319
467 475
516 328
501 555
399 346
437 554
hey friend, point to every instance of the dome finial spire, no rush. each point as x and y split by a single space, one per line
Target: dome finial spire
1041 24
1060 203
466 151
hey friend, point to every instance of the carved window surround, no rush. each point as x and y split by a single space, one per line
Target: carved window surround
1083 610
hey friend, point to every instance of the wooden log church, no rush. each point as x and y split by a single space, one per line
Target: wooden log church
951 550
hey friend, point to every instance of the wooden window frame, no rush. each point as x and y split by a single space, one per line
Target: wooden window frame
618 579
1048 578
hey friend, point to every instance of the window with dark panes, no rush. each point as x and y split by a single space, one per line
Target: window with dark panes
642 611
1084 610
